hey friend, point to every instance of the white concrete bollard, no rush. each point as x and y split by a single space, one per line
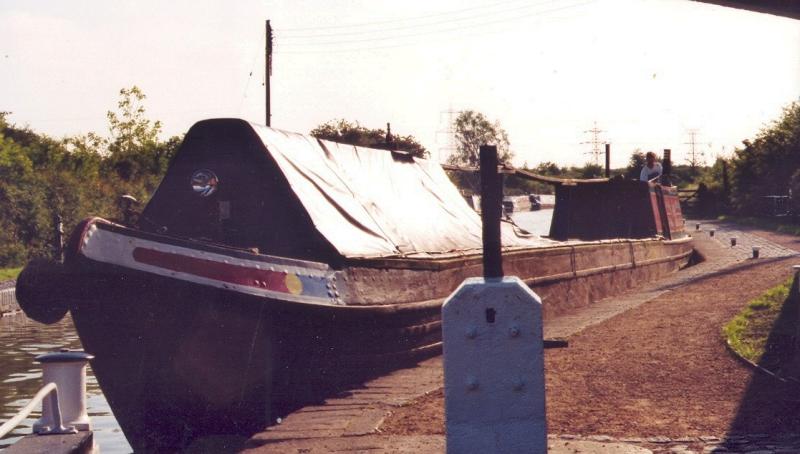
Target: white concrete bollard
494 368
68 371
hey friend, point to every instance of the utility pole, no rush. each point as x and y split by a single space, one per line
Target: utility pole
268 72
595 142
608 160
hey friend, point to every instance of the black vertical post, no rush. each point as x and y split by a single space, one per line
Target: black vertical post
268 73
491 210
666 168
608 160
667 164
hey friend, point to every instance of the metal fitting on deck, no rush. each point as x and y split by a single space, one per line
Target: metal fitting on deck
756 250
67 369
733 241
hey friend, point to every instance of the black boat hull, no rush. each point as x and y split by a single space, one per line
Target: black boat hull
180 363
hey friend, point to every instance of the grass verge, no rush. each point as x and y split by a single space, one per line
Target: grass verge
6 274
760 331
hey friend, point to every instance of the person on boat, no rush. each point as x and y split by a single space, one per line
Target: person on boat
652 168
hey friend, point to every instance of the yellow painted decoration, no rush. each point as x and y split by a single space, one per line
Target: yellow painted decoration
293 284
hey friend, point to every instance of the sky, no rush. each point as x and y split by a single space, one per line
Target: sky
646 72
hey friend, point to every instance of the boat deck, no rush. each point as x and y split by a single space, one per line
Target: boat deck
351 421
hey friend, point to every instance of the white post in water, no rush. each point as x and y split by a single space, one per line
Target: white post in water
493 349
68 371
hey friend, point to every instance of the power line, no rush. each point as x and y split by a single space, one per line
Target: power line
444 30
472 34
252 69
402 19
413 26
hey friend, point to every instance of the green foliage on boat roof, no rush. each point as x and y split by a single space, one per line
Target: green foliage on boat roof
353 133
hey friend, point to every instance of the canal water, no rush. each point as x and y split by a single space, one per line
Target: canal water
21 340
537 222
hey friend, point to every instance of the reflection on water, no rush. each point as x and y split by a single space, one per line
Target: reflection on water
21 340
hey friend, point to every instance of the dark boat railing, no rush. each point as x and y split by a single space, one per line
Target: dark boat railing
528 175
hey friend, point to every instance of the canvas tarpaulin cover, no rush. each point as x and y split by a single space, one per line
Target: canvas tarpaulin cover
375 203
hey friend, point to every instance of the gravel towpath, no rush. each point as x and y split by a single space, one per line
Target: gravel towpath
644 372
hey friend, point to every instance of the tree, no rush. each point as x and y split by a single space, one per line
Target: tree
767 165
74 177
589 171
343 131
22 199
134 150
473 129
130 129
635 164
549 169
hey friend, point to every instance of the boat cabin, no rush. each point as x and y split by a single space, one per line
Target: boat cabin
615 208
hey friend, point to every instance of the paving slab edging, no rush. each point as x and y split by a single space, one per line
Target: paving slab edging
727 443
756 366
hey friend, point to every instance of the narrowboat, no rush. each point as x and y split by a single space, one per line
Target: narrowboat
270 269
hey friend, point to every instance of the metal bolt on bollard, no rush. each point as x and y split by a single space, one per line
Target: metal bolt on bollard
756 251
711 232
67 370
733 241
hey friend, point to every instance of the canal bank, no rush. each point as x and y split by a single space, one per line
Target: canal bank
645 372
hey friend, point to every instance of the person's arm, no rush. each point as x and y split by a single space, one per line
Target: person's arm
643 174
